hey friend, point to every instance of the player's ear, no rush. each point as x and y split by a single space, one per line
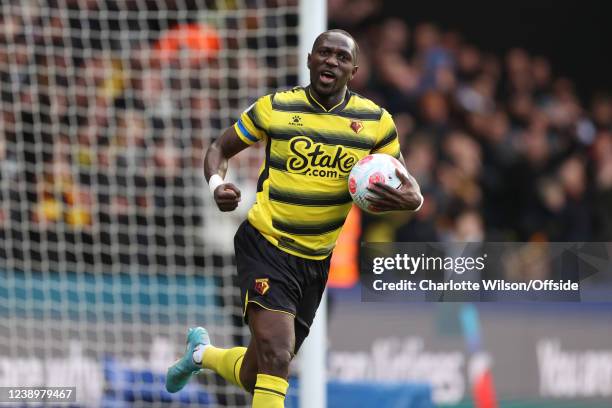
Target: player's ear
354 71
308 60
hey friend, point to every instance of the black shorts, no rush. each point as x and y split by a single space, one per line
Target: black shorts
278 281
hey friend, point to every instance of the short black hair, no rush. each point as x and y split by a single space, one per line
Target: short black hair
346 34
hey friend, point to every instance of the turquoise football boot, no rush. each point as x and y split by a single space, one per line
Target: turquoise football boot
179 373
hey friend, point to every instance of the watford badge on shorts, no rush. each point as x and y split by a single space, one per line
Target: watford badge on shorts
356 125
262 285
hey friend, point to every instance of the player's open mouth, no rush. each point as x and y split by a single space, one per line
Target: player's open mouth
327 77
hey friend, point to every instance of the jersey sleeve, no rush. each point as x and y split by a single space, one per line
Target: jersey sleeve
387 141
252 125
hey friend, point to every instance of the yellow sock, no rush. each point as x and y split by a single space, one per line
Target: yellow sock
225 362
269 392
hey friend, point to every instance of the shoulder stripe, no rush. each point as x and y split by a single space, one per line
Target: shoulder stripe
307 229
328 138
245 132
389 137
360 114
252 114
309 199
361 104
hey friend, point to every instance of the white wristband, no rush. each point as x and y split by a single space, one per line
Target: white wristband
213 182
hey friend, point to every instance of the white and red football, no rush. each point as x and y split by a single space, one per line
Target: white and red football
371 169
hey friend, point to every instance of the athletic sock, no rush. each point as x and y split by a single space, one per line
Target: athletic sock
225 362
269 392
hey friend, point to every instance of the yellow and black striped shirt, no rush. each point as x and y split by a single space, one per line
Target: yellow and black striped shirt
302 193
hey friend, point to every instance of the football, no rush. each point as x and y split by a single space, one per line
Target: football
373 168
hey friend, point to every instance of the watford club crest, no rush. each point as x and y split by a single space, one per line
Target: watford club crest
356 125
262 285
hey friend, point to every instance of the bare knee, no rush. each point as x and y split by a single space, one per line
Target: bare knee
264 357
273 357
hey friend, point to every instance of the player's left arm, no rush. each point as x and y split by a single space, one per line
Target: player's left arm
407 197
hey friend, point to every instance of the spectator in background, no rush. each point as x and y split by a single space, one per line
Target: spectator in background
542 80
602 112
577 218
602 157
434 62
435 115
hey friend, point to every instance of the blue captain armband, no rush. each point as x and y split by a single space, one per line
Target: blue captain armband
245 132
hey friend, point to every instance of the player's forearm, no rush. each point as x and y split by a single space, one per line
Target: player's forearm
215 162
410 177
414 183
219 153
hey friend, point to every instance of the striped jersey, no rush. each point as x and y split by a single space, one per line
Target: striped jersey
302 194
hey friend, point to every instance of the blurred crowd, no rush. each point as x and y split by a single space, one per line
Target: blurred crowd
107 109
503 149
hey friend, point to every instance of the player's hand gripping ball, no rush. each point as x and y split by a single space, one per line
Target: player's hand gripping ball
374 168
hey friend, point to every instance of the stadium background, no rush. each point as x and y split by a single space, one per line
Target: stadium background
111 246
